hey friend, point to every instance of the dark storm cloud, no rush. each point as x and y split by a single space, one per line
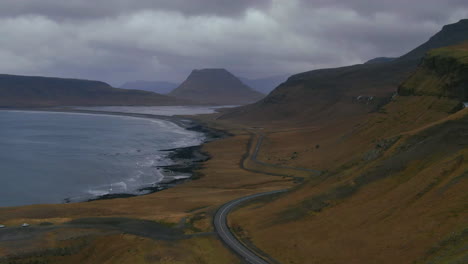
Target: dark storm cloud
82 9
432 10
122 40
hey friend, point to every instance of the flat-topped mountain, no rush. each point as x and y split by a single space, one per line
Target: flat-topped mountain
325 94
215 86
32 91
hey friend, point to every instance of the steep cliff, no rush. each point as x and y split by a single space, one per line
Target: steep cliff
443 72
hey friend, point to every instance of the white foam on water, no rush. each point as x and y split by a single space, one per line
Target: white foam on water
180 177
97 192
119 187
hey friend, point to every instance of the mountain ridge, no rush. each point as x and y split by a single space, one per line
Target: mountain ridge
322 94
39 91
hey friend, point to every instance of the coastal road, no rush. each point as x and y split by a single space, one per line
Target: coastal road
223 231
220 219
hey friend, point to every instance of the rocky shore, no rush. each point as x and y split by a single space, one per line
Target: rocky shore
186 161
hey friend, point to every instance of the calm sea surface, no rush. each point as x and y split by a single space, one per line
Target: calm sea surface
48 157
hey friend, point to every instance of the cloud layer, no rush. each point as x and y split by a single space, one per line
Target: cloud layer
118 41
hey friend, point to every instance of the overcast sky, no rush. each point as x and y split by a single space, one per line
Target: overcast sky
125 40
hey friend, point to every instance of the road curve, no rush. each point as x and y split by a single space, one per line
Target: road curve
223 231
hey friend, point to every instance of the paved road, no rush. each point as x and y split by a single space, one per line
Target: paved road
220 219
220 224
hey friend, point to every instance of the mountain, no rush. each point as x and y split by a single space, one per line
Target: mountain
379 60
151 86
265 85
393 183
32 91
449 35
215 86
321 95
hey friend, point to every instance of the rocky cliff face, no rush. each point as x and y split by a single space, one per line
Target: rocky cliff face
215 86
443 72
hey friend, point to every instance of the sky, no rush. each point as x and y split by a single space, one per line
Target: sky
125 40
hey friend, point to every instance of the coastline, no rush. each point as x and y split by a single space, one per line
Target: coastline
185 161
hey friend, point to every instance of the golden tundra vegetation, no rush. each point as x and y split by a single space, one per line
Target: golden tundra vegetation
394 182
393 189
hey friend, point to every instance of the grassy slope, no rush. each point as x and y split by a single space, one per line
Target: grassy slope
320 95
443 72
339 141
92 246
390 209
394 187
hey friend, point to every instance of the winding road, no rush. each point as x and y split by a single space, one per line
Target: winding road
221 227
220 219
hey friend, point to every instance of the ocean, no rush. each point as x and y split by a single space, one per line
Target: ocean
48 157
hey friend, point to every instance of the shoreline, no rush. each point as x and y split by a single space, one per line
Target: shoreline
185 160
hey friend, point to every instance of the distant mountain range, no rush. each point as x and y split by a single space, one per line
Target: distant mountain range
334 93
32 91
262 85
265 85
160 87
215 86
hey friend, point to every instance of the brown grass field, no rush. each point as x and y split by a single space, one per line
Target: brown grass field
401 203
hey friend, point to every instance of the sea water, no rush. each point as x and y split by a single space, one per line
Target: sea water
48 157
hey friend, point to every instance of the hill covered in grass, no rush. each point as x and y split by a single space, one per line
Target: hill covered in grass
393 183
443 72
326 94
32 91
